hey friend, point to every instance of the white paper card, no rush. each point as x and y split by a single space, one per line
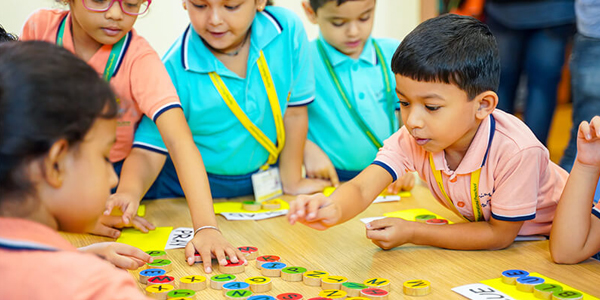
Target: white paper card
254 216
266 184
387 198
179 237
371 219
480 291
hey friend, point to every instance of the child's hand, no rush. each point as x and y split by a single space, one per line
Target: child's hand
109 226
125 202
121 255
588 142
315 211
306 186
390 232
404 183
318 165
210 243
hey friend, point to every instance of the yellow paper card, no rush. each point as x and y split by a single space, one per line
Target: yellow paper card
236 207
410 214
329 190
141 210
154 240
511 290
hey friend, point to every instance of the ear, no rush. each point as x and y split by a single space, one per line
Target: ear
54 163
487 102
184 3
310 13
261 4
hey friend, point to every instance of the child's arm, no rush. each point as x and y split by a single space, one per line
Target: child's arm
494 234
351 198
575 232
121 255
318 165
295 122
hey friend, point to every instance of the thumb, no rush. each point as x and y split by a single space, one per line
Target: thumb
103 230
379 224
333 176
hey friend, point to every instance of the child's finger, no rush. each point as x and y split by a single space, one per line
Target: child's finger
104 230
379 224
133 252
206 260
142 224
124 262
333 176
129 212
314 206
220 255
584 130
190 250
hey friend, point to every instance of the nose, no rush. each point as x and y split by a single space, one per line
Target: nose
412 118
114 12
215 18
353 29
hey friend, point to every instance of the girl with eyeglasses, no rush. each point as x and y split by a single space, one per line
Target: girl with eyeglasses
101 33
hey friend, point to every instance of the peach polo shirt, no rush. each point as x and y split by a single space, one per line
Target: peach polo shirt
141 82
62 272
518 181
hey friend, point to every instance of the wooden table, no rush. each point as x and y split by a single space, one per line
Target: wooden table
344 250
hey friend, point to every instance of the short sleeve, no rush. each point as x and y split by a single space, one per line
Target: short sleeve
148 137
303 84
515 196
103 281
151 86
596 210
396 155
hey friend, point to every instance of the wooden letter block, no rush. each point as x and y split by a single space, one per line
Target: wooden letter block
379 283
271 204
375 294
424 218
157 254
333 294
261 297
313 278
250 252
353 288
526 284
333 282
545 290
232 268
292 273
181 293
235 285
570 295
251 206
193 282
164 264
416 287
266 259
272 269
510 276
437 221
290 296
217 281
238 294
147 273
163 279
259 284
159 291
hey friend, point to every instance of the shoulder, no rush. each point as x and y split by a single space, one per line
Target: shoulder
139 46
42 23
515 138
388 45
285 18
173 57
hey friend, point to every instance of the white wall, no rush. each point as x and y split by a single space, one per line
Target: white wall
166 19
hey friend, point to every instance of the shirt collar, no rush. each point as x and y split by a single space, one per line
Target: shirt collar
475 154
26 234
198 58
336 57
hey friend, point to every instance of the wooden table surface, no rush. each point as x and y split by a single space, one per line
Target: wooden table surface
344 250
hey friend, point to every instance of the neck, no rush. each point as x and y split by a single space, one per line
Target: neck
85 46
456 152
28 208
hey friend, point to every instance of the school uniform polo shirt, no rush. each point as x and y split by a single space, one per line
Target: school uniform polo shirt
331 126
227 148
60 272
141 83
518 181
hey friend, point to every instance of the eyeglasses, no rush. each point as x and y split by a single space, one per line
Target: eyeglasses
130 7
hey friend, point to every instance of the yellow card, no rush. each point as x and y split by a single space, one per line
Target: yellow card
410 214
154 240
236 207
511 290
141 210
329 190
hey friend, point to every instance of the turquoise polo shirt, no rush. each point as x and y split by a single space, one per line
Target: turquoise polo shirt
227 148
331 126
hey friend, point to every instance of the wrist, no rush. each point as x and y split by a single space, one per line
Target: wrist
208 227
588 168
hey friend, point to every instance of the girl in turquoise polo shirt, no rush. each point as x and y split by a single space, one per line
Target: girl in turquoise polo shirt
243 73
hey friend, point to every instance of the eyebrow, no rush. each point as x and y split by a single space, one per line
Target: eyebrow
332 18
425 96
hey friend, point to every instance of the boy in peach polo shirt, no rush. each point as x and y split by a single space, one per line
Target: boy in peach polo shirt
482 163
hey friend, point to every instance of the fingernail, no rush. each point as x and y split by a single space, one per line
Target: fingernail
208 270
368 225
190 260
152 259
117 234
312 215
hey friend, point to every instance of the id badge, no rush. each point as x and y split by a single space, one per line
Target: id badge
266 184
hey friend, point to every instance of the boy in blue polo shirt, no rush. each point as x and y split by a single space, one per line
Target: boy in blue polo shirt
241 75
356 103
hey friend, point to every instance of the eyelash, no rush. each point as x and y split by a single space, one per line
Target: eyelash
343 23
429 107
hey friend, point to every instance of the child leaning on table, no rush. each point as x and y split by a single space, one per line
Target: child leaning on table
57 126
447 70
576 232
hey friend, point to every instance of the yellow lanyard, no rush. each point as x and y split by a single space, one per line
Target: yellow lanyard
260 137
473 187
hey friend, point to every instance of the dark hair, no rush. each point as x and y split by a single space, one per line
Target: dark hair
452 49
316 4
6 36
46 94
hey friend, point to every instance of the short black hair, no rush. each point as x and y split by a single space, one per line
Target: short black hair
452 49
46 94
316 4
6 36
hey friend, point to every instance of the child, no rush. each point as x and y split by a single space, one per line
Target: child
576 233
101 33
482 163
360 111
240 57
57 126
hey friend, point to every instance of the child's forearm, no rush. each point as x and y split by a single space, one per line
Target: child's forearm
290 160
490 235
140 169
189 166
572 222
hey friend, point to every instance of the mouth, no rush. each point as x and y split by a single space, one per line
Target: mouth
421 141
353 44
111 31
217 34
